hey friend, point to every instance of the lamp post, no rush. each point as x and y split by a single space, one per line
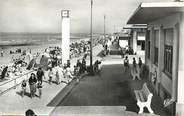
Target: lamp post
91 41
104 27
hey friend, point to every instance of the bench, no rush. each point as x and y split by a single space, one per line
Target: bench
144 97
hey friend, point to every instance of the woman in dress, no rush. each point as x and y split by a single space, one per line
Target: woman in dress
32 84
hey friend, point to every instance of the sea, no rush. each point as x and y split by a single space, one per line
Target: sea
15 39
37 42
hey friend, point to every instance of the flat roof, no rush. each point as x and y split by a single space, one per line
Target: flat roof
123 35
147 12
137 26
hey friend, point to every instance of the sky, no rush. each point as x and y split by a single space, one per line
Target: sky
45 15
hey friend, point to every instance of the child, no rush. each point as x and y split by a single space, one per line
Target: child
50 75
23 85
39 86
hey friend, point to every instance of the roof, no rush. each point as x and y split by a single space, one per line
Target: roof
148 12
123 35
140 26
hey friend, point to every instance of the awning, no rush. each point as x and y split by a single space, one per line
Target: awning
148 12
140 26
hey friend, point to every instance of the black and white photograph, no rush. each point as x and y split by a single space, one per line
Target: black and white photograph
91 57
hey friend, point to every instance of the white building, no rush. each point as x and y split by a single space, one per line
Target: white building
137 39
164 48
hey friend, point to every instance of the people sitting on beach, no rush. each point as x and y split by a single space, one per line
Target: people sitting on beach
68 63
2 53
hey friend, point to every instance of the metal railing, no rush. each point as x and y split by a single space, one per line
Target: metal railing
4 87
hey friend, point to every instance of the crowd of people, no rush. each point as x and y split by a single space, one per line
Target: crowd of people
48 66
136 69
127 50
52 70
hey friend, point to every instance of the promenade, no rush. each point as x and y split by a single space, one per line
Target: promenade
12 103
110 93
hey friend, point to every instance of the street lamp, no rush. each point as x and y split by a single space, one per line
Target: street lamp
91 41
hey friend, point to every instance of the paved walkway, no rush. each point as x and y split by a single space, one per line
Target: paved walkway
99 94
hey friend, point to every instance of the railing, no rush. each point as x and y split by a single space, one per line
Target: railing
4 87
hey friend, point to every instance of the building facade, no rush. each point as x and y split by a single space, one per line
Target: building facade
137 39
164 55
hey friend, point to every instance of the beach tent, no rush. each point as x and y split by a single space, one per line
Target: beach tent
3 73
44 62
31 64
28 57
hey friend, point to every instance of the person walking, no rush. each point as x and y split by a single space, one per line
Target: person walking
140 63
83 65
50 75
134 63
76 72
23 85
32 84
40 74
68 75
39 87
135 71
57 77
126 63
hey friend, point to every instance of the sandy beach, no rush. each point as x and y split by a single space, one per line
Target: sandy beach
35 47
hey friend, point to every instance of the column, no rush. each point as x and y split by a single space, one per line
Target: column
65 36
180 88
160 57
135 41
175 61
146 47
152 45
151 50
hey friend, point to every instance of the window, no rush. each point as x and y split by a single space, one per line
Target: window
149 49
138 42
168 51
156 56
156 38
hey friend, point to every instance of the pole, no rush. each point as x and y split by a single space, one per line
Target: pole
91 41
104 27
